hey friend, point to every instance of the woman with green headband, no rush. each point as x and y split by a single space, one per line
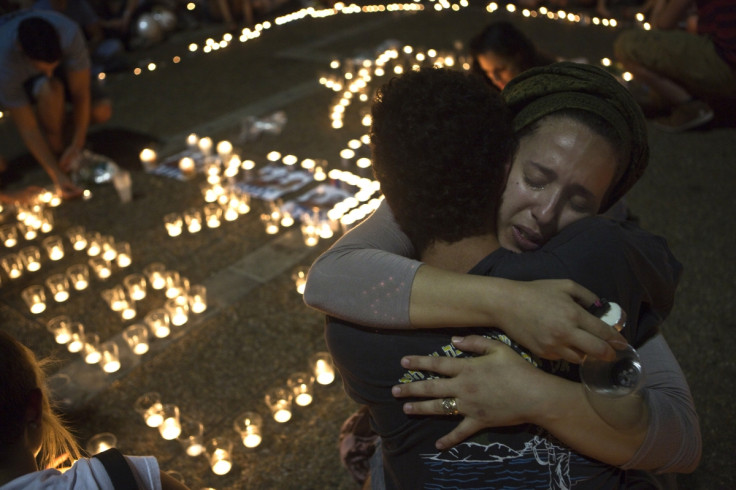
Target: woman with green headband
583 145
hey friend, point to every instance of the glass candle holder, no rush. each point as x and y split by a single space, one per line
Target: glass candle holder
77 237
59 326
178 310
205 145
135 285
76 337
58 286
54 246
210 192
159 322
197 299
187 167
271 224
128 311
115 297
193 220
310 234
110 361
108 249
155 274
101 268
9 235
12 265
219 452
174 224
323 368
78 276
35 298
149 406
299 276
31 257
101 442
301 386
191 436
91 351
248 425
94 245
125 257
176 285
27 231
148 158
170 427
279 402
213 215
136 336
230 210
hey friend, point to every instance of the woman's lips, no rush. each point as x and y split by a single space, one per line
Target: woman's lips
526 239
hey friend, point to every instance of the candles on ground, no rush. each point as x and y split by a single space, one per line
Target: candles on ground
299 276
135 286
35 298
94 247
213 215
154 272
91 350
178 310
271 224
324 370
124 258
197 298
108 251
300 385
248 425
136 336
187 167
54 247
78 276
77 238
219 451
9 235
174 224
151 409
101 267
101 442
192 141
224 150
110 361
12 265
193 219
31 257
205 145
115 297
170 427
279 401
176 285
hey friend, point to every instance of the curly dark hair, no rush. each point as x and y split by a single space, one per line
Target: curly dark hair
441 140
39 40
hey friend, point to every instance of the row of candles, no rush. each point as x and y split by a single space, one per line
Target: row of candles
167 418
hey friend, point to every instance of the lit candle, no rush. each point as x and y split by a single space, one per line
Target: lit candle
219 450
155 274
212 215
59 287
299 276
94 247
31 257
176 285
12 265
148 158
77 237
301 388
205 145
136 336
170 427
78 276
178 310
124 258
279 401
248 425
59 327
100 267
197 298
272 226
91 349
35 298
101 442
224 150
191 436
150 407
135 284
54 247
159 322
324 371
108 251
192 141
9 235
76 337
310 233
193 219
186 166
110 360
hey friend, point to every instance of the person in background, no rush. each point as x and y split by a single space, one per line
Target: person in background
34 440
44 60
501 51
689 73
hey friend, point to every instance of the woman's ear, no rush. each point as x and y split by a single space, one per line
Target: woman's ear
34 408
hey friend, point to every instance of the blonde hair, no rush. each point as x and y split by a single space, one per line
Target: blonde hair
20 374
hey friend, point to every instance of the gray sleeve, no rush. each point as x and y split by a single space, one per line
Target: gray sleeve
673 443
365 276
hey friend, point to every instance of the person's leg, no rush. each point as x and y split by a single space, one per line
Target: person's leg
49 95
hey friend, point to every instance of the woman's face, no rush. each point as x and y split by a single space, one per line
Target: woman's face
560 174
498 68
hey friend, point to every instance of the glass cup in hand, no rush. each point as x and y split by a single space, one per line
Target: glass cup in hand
621 376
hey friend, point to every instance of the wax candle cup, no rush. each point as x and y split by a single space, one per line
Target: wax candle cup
178 310
205 145
101 267
78 276
300 385
31 257
279 401
149 406
155 274
135 285
324 369
299 276
115 297
176 285
94 246
124 257
35 298
12 265
101 442
54 247
108 248
186 166
136 336
110 361
77 238
174 224
197 298
59 326
248 425
170 427
191 436
213 215
193 219
9 235
148 158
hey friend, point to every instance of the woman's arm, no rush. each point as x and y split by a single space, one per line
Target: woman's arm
366 278
661 433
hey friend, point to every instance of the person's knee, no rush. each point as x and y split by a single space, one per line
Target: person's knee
101 111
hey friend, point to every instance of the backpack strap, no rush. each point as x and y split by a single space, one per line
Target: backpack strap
118 469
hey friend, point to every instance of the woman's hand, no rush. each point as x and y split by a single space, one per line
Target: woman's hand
496 389
546 317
